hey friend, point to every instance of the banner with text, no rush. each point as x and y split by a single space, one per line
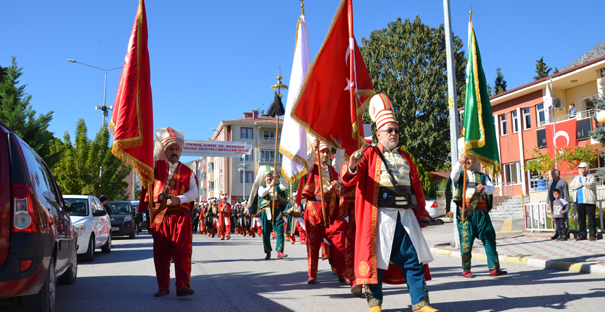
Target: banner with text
216 148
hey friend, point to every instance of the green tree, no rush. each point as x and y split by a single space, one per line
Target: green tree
542 70
598 134
556 71
17 113
407 61
500 83
89 167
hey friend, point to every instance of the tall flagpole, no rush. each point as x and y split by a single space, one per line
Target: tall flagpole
277 87
451 93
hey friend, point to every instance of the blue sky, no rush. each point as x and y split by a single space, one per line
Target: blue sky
212 60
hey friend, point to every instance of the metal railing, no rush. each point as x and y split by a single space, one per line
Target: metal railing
538 219
579 115
536 184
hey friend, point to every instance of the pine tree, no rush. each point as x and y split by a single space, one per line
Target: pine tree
17 113
542 70
406 61
89 167
500 83
556 71
599 132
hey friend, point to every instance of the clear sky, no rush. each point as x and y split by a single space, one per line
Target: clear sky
213 60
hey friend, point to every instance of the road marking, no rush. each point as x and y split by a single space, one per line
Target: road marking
507 227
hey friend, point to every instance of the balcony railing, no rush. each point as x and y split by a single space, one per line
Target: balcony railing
542 183
589 113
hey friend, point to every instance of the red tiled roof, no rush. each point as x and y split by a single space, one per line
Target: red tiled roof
251 120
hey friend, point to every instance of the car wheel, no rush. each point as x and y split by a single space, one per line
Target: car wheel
45 299
69 277
107 247
90 253
133 233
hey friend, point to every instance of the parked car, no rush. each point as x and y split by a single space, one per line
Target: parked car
435 207
139 218
37 239
123 219
92 224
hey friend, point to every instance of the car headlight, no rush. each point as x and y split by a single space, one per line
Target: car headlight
80 228
127 218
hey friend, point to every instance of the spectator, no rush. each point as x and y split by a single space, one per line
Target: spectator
557 184
572 110
585 186
103 200
560 209
196 218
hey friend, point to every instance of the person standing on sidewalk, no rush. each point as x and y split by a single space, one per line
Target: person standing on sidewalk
557 184
585 198
560 209
479 190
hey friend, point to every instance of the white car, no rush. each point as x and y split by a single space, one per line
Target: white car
91 222
435 207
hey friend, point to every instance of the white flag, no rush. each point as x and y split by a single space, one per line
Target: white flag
293 144
547 103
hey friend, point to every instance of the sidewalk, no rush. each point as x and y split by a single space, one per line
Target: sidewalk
536 251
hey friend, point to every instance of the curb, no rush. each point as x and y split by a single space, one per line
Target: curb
580 267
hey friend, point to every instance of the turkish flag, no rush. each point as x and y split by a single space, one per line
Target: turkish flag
132 117
337 88
563 134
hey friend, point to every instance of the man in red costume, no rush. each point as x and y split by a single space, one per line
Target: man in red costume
174 190
331 237
224 218
389 245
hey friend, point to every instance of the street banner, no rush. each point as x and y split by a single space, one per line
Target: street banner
132 117
216 148
337 88
479 129
293 144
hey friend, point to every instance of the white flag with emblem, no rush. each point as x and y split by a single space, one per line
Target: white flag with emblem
547 102
293 142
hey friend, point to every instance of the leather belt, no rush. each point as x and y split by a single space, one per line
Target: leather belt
401 198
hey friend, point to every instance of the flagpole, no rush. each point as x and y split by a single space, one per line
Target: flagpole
321 187
275 168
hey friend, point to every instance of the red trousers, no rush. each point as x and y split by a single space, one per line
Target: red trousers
335 235
301 233
173 240
224 227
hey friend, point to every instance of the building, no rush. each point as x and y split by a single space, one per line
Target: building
235 176
200 169
520 119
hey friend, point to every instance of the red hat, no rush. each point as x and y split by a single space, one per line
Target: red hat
323 146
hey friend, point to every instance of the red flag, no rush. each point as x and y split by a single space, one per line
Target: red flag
565 135
337 88
132 117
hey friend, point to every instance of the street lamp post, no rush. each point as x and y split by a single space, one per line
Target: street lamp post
103 108
242 168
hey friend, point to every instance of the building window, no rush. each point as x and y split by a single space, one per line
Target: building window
512 174
248 157
203 192
249 177
515 121
269 156
246 133
526 118
503 130
203 176
269 135
540 113
211 186
211 167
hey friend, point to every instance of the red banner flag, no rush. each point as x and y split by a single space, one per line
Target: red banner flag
132 117
337 88
563 135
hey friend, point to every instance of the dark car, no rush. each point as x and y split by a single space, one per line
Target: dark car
140 220
37 238
123 219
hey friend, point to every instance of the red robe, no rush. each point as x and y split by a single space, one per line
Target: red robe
367 180
222 227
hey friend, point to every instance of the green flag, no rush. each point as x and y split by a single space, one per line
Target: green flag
479 130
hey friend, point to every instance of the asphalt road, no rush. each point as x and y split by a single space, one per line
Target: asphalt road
232 276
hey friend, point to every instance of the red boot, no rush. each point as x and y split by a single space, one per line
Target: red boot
281 255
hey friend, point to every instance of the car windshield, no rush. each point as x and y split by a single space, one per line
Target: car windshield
77 206
120 208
